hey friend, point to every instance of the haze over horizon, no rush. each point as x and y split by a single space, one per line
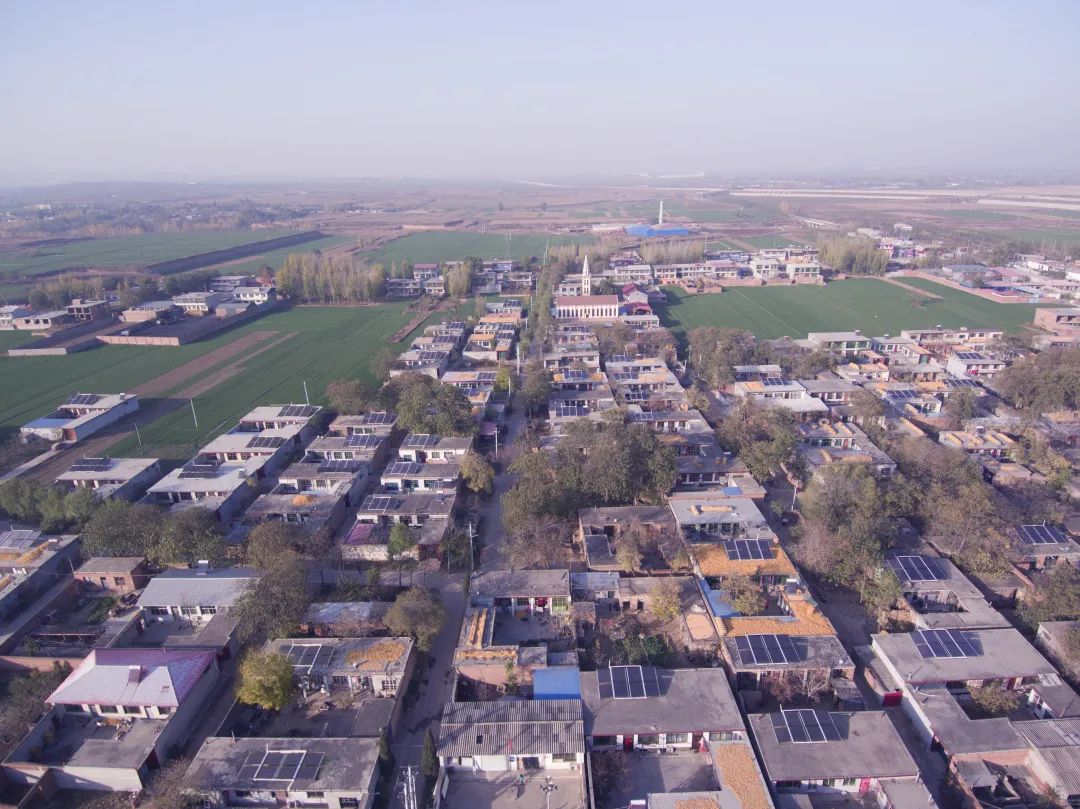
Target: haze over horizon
135 91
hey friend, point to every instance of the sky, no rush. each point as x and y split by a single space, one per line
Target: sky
532 90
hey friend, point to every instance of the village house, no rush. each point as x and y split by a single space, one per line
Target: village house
403 476
429 448
11 314
832 392
428 512
979 441
152 311
758 660
345 619
942 339
430 362
120 714
845 343
518 736
312 494
522 591
600 529
254 294
1040 546
403 287
119 478
31 565
643 707
938 596
82 415
803 750
114 574
223 488
972 363
194 595
380 667
374 422
780 392
201 304
709 516
365 448
84 310
43 321
338 773
227 283
824 443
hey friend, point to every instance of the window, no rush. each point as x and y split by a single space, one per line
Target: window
119 581
721 736
132 710
677 738
164 710
850 782
349 803
648 739
159 610
564 757
339 679
189 611
315 794
208 610
108 709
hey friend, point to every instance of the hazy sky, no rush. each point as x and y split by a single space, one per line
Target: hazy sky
190 90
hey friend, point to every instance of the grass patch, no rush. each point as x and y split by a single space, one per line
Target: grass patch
977 215
1064 237
867 304
771 242
455 245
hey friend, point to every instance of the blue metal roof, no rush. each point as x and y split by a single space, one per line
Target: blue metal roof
557 682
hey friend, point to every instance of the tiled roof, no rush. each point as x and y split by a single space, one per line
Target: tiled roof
143 677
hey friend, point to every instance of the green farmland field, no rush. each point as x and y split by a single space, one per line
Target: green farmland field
769 242
454 245
867 304
127 251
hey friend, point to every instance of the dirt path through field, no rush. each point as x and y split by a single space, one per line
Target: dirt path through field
211 381
909 288
177 376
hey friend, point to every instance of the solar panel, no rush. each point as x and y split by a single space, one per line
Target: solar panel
945 643
266 442
18 539
432 356
420 440
968 355
402 468
768 649
309 767
904 394
805 726
83 399
1041 534
619 358
198 473
916 568
773 381
379 417
575 375
570 411
90 465
298 411
358 441
377 503
336 465
956 382
486 376
745 549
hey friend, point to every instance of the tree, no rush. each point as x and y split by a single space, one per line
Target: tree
881 592
1055 597
960 406
166 789
797 687
511 677
400 542
745 595
119 528
24 701
271 543
502 379
628 555
993 700
275 603
424 405
266 680
386 755
477 473
858 256
714 352
666 601
416 613
429 759
348 397
1045 383
381 364
535 544
186 537
459 280
536 387
764 438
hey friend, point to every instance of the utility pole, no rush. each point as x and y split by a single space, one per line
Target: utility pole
407 788
307 400
547 788
138 436
470 532
794 492
193 416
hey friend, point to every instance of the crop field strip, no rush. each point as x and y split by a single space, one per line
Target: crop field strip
436 246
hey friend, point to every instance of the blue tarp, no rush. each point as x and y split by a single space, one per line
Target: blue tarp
651 231
557 682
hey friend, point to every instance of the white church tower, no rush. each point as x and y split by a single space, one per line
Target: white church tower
586 279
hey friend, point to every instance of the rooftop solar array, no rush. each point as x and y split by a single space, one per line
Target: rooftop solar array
380 503
18 539
624 376
748 548
266 442
627 682
619 358
309 655
281 765
575 375
83 399
958 382
420 441
804 726
359 441
402 468
904 394
968 355
432 356
759 649
773 381
570 411
335 465
1040 534
199 470
90 465
635 396
486 376
379 417
934 643
916 568
298 411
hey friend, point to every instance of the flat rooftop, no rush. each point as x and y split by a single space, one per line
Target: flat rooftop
1000 653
